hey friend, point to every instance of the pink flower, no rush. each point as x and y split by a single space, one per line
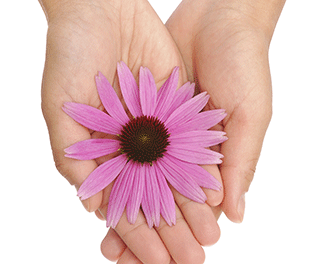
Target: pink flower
165 140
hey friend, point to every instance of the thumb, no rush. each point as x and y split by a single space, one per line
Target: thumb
241 152
63 132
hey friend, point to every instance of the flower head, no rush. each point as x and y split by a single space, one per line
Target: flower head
165 140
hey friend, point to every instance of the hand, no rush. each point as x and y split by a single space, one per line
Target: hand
113 247
85 37
225 47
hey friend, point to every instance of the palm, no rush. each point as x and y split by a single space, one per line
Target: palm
81 44
228 59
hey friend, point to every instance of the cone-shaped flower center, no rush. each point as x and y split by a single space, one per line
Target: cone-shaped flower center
144 139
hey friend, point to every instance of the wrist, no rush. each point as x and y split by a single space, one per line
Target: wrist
262 14
259 15
57 8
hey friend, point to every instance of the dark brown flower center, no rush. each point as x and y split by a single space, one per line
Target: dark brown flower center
144 139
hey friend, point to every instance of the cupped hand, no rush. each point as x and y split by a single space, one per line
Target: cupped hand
85 37
225 45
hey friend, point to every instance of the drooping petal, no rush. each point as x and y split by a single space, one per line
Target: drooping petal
202 177
201 121
166 93
101 177
110 99
135 198
92 148
151 197
167 204
119 195
194 154
148 92
129 89
180 180
187 111
92 118
203 138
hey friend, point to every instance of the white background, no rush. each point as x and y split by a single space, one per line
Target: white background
42 220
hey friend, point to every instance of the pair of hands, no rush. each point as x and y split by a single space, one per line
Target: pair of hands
220 45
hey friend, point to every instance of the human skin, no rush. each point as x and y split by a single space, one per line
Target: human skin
85 37
225 45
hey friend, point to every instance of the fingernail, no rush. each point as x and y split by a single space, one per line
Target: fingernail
86 204
102 213
241 207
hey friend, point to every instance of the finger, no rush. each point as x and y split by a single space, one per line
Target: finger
64 132
200 219
99 215
112 246
214 197
128 258
241 154
217 211
180 241
144 242
151 247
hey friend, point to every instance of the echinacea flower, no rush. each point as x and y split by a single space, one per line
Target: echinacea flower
165 140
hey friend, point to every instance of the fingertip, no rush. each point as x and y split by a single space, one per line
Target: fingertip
210 232
214 236
112 247
93 203
236 185
197 258
234 208
214 198
99 215
217 211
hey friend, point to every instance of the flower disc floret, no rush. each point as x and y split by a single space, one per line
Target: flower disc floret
144 139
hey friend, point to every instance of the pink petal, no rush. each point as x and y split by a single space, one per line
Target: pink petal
180 179
187 111
194 154
148 92
167 203
92 118
92 148
151 197
201 121
110 99
166 93
135 198
129 89
203 138
101 177
200 175
183 94
119 195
